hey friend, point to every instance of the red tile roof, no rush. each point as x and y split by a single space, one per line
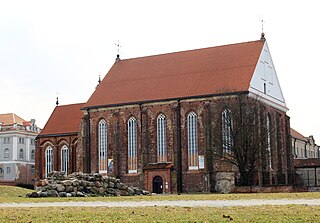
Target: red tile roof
10 119
296 134
64 119
185 74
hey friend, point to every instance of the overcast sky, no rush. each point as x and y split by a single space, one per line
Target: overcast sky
63 46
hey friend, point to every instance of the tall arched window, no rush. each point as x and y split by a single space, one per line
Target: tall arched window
49 161
21 154
64 159
102 143
6 153
227 140
269 161
132 145
192 141
161 138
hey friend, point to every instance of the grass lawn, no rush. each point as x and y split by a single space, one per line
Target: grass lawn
288 213
267 213
9 194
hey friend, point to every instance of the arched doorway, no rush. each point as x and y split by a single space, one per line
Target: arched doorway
157 185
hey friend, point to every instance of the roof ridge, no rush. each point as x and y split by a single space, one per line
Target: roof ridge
192 50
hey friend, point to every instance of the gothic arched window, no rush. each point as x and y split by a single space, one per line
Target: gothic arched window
49 161
102 144
132 145
161 138
227 140
192 141
269 157
64 159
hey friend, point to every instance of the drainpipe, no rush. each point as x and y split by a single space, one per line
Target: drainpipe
88 157
142 157
179 149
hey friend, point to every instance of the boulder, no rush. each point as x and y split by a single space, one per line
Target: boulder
81 185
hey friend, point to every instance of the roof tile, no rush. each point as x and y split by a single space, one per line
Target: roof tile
179 75
64 119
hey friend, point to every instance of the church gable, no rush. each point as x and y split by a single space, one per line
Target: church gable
265 83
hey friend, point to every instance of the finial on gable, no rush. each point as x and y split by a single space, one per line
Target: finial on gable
118 50
57 101
118 58
262 38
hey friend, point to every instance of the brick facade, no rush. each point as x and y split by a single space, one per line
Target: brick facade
181 178
83 147
56 142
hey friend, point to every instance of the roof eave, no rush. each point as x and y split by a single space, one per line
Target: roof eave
167 99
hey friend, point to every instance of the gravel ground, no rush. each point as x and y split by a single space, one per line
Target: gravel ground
203 203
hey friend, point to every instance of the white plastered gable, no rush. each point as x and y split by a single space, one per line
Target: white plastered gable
265 83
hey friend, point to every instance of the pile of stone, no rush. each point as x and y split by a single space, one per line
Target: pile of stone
83 185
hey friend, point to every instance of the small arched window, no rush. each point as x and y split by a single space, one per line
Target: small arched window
1 170
6 153
64 159
21 155
161 138
227 139
102 146
132 145
49 161
192 141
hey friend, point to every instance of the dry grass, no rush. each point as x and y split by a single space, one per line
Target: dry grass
17 195
289 213
286 213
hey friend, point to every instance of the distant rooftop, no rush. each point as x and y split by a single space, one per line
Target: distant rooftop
10 119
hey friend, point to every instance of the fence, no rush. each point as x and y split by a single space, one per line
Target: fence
268 178
309 177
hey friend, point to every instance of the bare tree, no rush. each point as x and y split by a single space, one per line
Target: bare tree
244 139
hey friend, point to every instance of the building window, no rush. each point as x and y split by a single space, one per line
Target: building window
21 140
132 145
161 135
33 170
227 140
32 156
192 141
102 145
6 140
1 170
49 161
21 154
6 153
64 159
8 170
269 156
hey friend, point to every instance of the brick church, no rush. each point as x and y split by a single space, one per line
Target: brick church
151 120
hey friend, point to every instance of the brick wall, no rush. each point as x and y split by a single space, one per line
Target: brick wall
85 157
